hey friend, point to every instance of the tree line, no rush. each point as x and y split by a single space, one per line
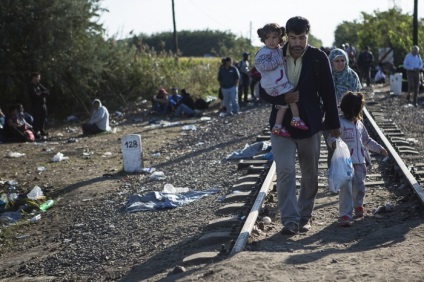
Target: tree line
388 29
65 43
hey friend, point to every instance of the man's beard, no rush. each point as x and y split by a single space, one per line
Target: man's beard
297 49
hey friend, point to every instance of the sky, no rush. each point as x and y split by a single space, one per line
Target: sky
241 17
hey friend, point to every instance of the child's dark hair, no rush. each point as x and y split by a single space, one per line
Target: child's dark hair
272 27
352 104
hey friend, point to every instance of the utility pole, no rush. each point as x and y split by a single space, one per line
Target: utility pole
415 24
250 33
175 30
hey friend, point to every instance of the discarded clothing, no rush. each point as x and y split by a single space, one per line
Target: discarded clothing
10 217
160 200
250 150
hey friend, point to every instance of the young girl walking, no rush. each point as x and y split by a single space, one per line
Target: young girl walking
271 65
355 135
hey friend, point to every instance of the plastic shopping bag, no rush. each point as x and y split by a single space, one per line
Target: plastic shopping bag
340 172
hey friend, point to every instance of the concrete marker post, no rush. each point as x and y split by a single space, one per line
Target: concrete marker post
132 153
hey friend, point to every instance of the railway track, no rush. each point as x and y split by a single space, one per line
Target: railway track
239 220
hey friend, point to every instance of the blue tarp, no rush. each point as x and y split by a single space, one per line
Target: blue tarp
161 200
251 150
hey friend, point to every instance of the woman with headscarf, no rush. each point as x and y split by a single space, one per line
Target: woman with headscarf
345 79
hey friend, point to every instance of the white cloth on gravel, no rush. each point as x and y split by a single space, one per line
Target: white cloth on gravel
159 200
250 150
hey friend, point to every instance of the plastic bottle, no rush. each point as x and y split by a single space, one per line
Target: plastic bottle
46 205
189 127
157 175
169 188
35 218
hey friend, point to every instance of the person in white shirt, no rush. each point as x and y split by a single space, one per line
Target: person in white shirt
379 77
413 64
99 121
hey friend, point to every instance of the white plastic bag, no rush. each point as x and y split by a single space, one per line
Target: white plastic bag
59 157
340 172
35 194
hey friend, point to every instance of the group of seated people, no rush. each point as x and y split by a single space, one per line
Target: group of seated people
179 105
16 125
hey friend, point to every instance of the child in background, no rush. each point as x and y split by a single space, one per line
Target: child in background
355 135
271 65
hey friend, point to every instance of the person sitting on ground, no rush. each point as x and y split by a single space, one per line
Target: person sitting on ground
187 99
160 102
99 121
24 115
16 129
379 77
2 119
177 105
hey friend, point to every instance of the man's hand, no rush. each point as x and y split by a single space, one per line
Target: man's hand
384 152
291 97
335 132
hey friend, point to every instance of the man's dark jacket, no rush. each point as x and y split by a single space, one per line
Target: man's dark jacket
317 96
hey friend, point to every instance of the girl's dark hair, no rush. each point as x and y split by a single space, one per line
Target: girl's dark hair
352 104
298 25
272 27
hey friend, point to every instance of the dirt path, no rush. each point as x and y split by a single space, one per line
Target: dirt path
86 236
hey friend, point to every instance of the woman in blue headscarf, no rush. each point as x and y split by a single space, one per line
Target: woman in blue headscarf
345 79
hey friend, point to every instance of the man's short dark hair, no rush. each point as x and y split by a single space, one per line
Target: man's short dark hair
297 25
35 74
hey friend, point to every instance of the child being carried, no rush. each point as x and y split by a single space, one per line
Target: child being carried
270 63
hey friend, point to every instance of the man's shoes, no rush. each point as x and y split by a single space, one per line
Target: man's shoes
290 228
344 221
359 212
305 225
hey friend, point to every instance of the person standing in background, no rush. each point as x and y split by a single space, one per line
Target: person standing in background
228 77
413 64
38 95
255 77
365 61
244 69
